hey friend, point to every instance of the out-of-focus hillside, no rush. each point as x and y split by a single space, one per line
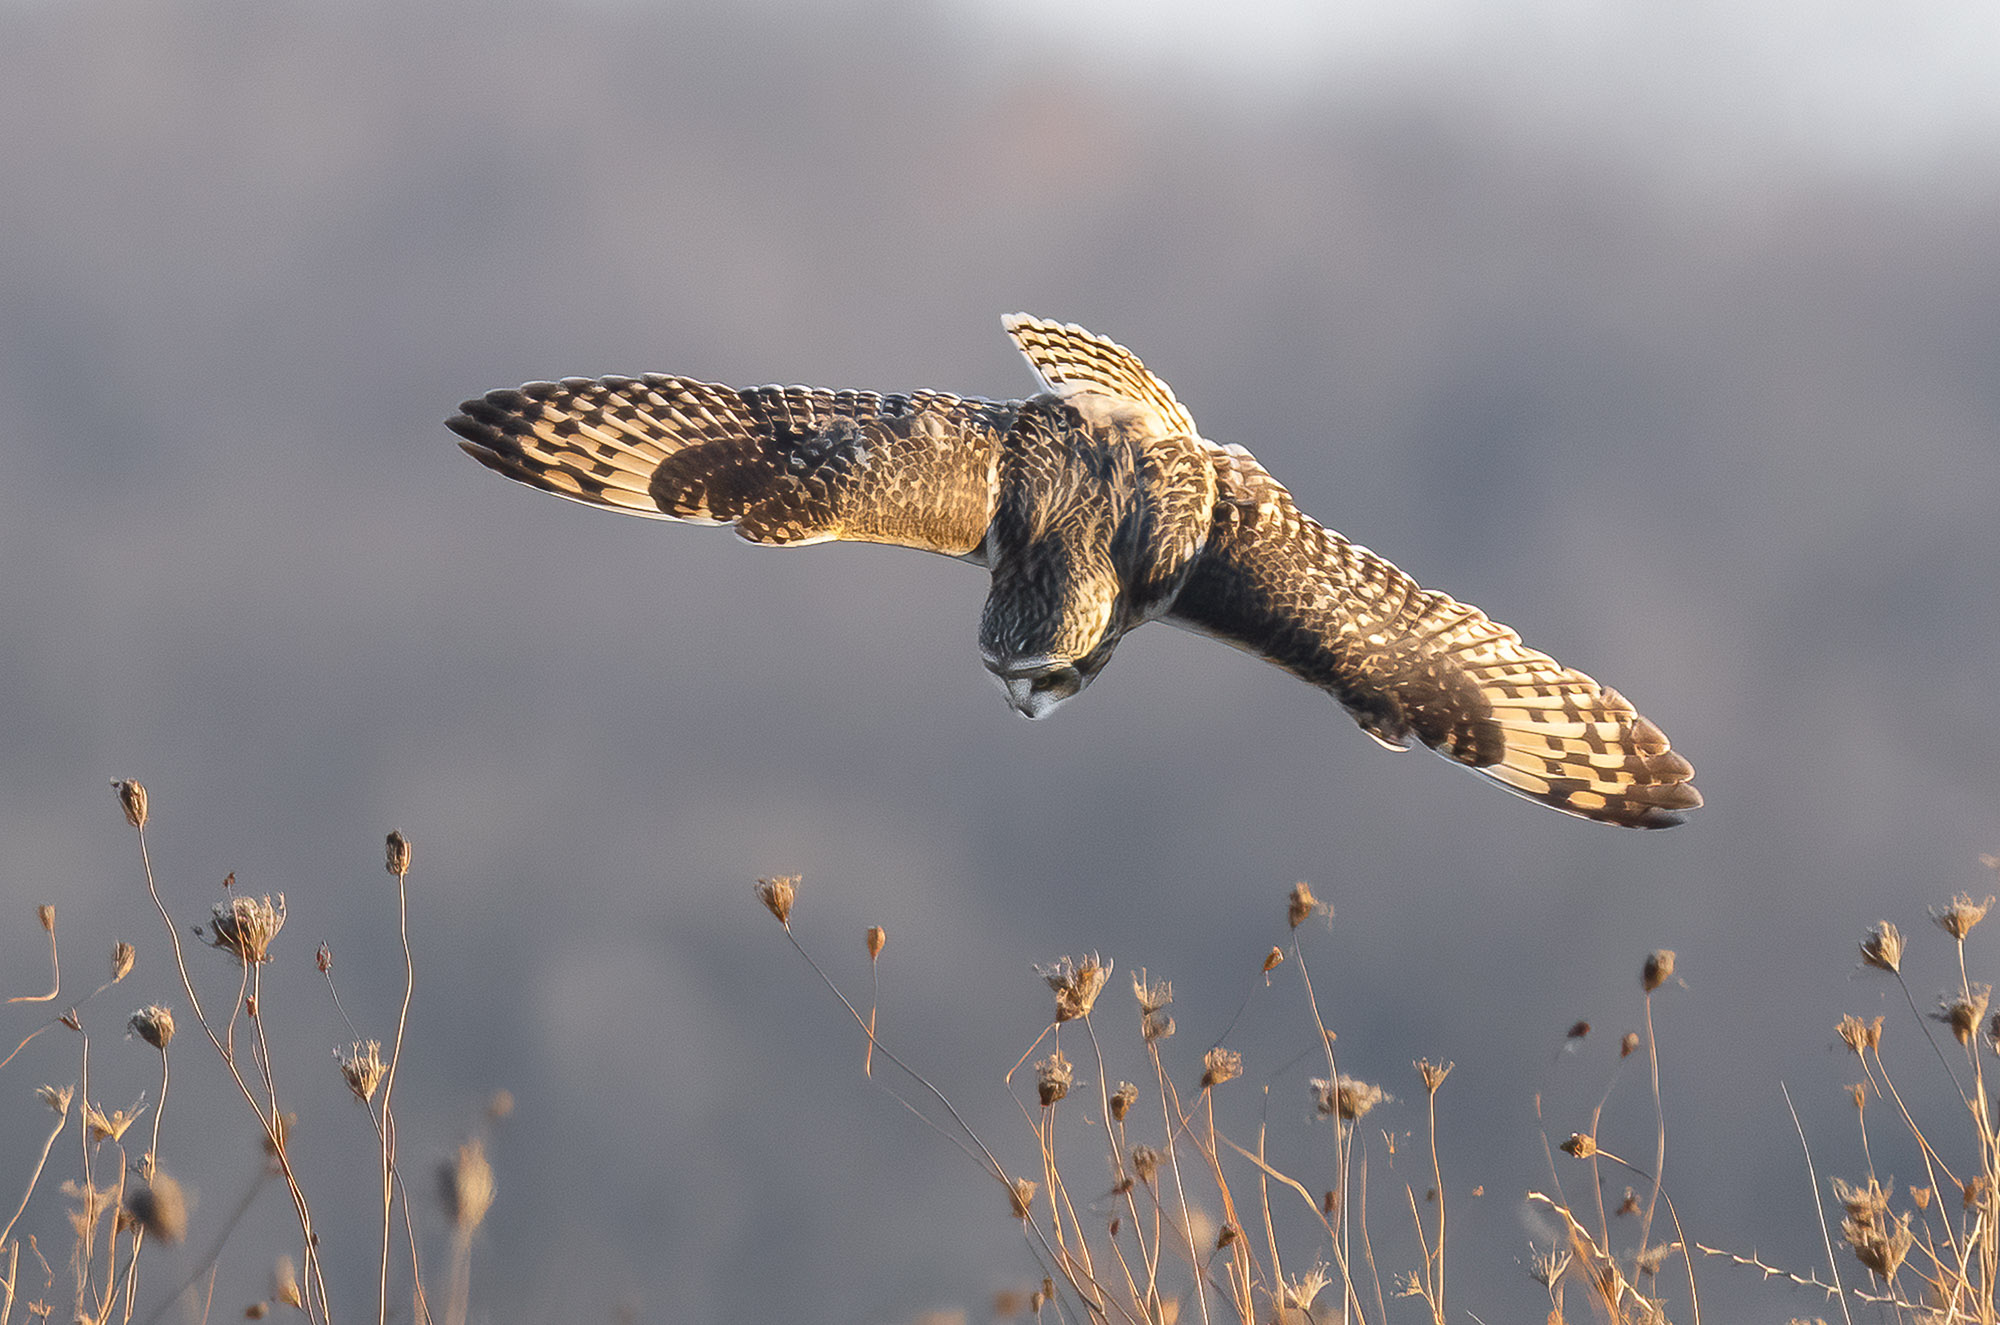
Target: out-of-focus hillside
1707 410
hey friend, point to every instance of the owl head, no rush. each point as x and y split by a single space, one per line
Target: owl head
1048 629
1035 687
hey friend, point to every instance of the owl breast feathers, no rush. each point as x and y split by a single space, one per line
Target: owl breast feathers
1096 506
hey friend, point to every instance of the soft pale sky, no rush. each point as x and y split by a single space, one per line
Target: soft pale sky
1864 83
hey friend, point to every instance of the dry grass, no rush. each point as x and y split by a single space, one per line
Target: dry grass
124 1197
1142 1179
1930 1256
1155 1201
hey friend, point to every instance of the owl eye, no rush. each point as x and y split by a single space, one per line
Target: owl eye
1062 682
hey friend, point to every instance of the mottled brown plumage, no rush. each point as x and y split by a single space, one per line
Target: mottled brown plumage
1096 506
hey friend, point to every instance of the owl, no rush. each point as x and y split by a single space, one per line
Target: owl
1095 505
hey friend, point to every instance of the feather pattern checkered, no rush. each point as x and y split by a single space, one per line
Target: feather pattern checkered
1096 506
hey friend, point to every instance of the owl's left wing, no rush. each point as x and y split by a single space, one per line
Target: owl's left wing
1408 662
784 465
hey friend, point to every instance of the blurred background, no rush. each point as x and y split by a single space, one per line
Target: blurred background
1668 335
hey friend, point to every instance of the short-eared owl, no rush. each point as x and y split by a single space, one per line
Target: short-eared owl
1097 506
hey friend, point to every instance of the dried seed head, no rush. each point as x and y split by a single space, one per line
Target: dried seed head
1972 1192
1053 1076
1867 1205
102 1126
1658 970
878 937
71 1020
1123 1099
1076 983
285 1284
1227 1234
324 959
1630 1205
153 1024
1219 1065
45 914
500 1105
257 1311
133 797
1347 1098
1580 1145
777 893
398 855
1145 1163
1021 1197
1962 1011
1958 917
123 955
1859 1091
57 1098
245 926
1300 1292
159 1207
467 1186
1859 1035
1273 960
1883 948
1649 1261
1546 1267
91 1203
1921 1197
1152 997
1302 905
1882 1248
1628 1044
1154 1022
363 1068
1433 1074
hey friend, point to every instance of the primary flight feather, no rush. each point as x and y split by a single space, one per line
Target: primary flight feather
1096 506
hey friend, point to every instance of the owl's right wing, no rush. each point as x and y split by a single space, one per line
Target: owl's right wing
1408 662
784 465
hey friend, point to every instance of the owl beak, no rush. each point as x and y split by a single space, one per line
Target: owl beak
1035 692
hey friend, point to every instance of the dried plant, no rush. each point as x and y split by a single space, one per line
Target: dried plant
122 1196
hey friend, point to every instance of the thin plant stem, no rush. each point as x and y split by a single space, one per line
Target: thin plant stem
389 1090
991 1164
55 970
315 1276
33 1178
209 1260
1367 1242
152 1167
1436 1270
1168 1107
1660 1130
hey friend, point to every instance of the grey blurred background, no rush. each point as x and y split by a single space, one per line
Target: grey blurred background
1668 335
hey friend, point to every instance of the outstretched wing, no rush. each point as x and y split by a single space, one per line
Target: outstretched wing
1408 662
783 464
